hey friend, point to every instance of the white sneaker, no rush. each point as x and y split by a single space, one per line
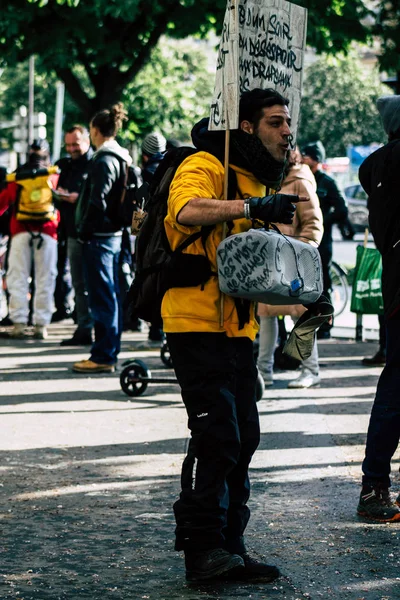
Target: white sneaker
306 380
18 331
40 332
268 379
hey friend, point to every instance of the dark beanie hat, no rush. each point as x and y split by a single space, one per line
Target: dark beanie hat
314 150
389 110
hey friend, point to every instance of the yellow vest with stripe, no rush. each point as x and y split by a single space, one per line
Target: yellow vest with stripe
35 195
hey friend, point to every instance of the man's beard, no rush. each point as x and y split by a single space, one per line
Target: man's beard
249 152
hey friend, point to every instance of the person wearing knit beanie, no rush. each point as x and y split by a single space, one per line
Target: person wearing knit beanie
314 150
153 150
154 143
334 211
389 110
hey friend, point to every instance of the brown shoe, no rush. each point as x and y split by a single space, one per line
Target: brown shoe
88 366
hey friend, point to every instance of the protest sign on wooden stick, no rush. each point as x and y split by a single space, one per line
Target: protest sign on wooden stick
262 46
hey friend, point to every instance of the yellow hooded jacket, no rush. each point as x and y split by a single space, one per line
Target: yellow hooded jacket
194 309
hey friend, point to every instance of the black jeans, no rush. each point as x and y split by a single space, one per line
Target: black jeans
326 251
218 377
384 425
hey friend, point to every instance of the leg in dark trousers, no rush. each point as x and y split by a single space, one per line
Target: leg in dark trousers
218 377
384 426
382 334
326 251
63 291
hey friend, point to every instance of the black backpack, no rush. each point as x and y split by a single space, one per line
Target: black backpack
122 207
158 268
131 196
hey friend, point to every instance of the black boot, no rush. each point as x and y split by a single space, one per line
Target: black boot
210 564
61 315
378 360
81 337
254 570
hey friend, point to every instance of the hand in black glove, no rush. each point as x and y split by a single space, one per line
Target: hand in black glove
278 208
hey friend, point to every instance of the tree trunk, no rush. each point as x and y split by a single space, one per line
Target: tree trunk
108 91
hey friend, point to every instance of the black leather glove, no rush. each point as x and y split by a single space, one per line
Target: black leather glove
278 208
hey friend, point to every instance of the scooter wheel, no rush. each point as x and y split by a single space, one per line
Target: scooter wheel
131 378
166 356
260 387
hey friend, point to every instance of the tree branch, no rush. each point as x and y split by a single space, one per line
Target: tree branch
75 90
86 64
156 33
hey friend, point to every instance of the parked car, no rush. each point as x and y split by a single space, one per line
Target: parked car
356 200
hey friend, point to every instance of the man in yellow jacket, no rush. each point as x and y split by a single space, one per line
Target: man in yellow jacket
214 362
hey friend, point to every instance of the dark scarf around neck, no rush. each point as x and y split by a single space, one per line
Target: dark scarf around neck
248 152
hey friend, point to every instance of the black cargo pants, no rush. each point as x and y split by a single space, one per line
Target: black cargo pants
218 378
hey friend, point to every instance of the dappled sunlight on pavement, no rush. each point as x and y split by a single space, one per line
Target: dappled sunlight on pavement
89 476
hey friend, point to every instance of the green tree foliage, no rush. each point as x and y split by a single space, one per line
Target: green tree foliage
110 41
14 93
386 28
339 104
334 24
172 92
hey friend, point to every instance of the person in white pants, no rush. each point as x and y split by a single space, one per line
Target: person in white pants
41 251
268 338
308 226
33 247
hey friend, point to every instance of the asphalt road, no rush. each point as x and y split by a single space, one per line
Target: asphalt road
89 476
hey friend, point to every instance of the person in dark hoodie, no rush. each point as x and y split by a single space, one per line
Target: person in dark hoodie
99 229
153 149
334 210
214 363
379 175
154 146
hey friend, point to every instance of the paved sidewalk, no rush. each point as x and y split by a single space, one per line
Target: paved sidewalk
89 476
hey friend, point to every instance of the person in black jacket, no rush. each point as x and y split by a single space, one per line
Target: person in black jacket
153 149
100 231
334 210
74 169
380 177
154 146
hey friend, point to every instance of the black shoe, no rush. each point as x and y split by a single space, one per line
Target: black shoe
376 504
81 337
210 564
60 315
254 570
6 322
378 360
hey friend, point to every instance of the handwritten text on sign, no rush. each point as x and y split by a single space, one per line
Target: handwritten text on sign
262 45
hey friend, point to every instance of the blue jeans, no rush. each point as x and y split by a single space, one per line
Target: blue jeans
100 260
384 425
